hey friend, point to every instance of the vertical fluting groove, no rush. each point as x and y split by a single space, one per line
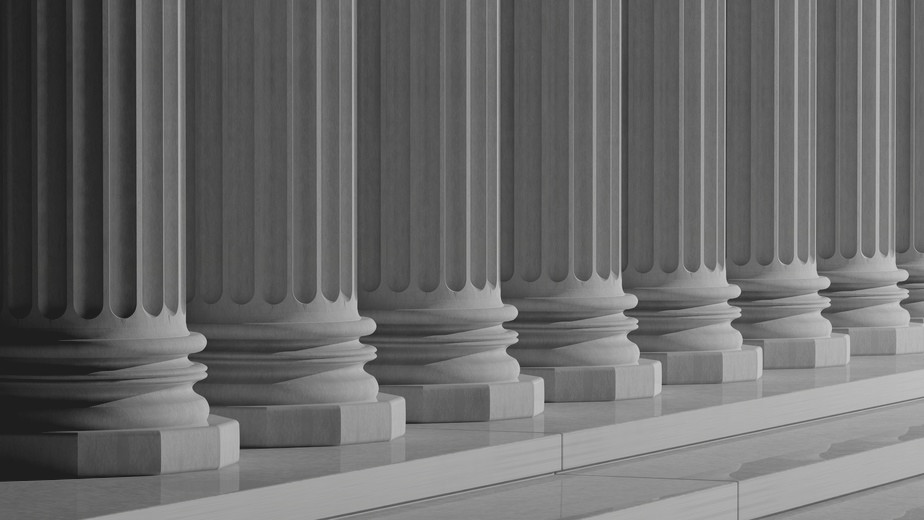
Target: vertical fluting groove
173 94
153 174
305 172
51 166
369 123
506 111
18 98
479 136
347 147
330 92
86 142
121 134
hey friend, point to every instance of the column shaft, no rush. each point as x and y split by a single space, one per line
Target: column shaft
856 176
561 169
94 341
428 210
771 184
909 161
675 201
271 223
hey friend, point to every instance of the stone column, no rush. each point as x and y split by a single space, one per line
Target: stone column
675 197
272 223
95 378
771 184
909 149
856 176
561 170
428 210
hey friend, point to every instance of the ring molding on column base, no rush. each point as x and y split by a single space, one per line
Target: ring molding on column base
122 453
885 341
709 366
472 402
333 424
781 353
599 383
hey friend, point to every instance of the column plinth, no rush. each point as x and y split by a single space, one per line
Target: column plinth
94 346
771 183
675 196
271 224
856 177
909 160
428 210
561 169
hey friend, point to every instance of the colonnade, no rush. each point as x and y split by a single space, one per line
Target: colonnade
386 211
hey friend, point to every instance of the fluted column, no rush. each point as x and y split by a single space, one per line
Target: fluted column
428 210
561 169
856 176
909 149
675 197
271 223
771 184
95 378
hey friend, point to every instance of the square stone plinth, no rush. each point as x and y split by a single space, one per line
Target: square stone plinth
282 426
804 352
885 341
120 453
712 366
467 402
599 383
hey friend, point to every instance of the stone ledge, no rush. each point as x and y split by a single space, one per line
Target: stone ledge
122 453
885 341
715 366
466 402
599 383
281 426
804 352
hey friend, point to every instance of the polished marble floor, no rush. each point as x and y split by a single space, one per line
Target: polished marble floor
902 500
437 459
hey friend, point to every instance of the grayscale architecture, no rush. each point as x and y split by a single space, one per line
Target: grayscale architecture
453 259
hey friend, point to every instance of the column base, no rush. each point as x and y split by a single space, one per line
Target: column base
120 453
804 352
599 383
885 341
704 367
291 425
470 402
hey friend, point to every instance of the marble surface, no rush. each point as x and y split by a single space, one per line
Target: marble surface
299 482
800 464
574 496
899 501
688 414
435 459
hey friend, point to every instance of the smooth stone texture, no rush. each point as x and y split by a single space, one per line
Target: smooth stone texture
717 366
471 401
300 483
318 424
687 414
326 481
120 453
884 341
801 464
805 352
578 496
599 383
900 501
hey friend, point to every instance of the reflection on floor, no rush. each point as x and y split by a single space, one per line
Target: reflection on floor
813 460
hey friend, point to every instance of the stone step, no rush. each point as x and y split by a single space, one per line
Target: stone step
798 465
902 500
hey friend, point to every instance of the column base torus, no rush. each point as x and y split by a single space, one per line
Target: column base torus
804 352
470 402
711 366
885 341
120 453
334 424
599 383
